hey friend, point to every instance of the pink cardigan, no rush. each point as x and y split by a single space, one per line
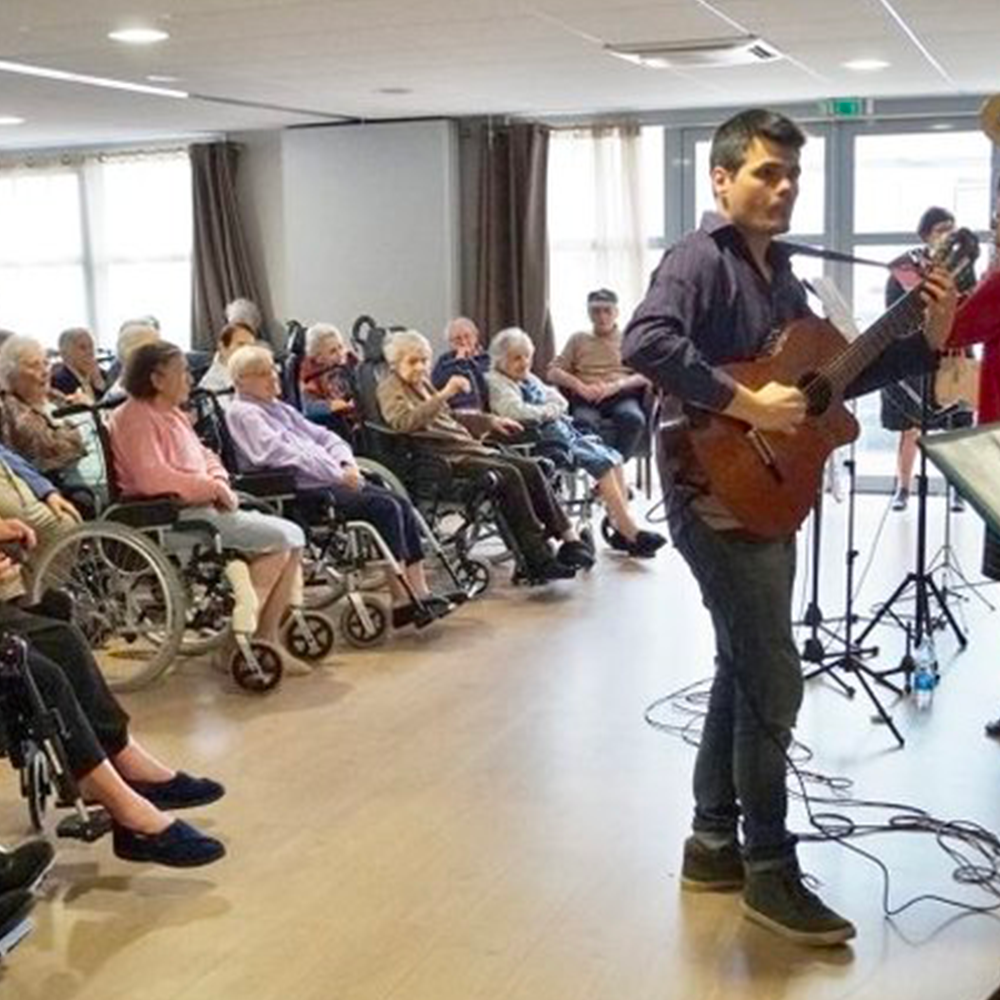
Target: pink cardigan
157 451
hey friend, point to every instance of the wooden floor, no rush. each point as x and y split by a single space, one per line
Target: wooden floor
479 811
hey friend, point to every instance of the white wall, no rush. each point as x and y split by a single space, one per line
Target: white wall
356 219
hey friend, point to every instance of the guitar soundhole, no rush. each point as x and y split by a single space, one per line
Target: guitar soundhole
818 392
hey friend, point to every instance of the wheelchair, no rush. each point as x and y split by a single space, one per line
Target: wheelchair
148 585
339 554
34 740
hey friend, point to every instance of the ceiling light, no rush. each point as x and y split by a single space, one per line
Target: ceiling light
866 65
24 69
700 54
138 36
161 78
394 90
11 120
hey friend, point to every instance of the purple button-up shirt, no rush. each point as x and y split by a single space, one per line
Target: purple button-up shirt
276 436
708 305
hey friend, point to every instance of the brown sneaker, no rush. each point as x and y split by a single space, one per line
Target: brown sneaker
778 899
711 870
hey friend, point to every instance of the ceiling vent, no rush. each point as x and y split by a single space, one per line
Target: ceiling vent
712 53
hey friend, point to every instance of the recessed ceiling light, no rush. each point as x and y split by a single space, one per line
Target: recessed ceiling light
11 120
139 36
162 78
394 90
866 65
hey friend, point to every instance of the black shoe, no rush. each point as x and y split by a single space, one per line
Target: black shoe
544 570
438 607
14 907
576 554
777 898
901 499
179 846
25 866
182 791
618 541
711 870
646 544
993 728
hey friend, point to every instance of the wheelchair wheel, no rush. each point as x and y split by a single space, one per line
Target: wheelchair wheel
364 621
37 787
315 645
261 680
128 599
474 575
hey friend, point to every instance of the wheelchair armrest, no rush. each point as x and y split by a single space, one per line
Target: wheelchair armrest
145 512
265 482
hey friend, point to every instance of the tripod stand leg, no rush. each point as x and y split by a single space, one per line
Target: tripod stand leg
946 611
859 669
886 608
829 671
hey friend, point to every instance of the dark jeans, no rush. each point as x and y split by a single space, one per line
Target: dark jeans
390 515
746 585
526 500
623 412
70 681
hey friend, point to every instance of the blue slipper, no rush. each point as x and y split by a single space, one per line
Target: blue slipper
178 846
182 791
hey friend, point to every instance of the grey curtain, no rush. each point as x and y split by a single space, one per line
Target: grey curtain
221 267
504 170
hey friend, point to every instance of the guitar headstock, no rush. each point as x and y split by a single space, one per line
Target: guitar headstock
957 253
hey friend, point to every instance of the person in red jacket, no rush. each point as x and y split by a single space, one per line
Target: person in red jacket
978 322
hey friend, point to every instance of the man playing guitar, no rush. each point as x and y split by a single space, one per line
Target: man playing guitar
724 293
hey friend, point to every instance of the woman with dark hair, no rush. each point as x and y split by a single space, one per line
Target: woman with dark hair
156 452
232 337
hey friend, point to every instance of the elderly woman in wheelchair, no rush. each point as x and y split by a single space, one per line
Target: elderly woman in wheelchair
110 766
530 511
156 453
268 434
516 393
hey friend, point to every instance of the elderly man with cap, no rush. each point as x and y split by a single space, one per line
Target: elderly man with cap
601 389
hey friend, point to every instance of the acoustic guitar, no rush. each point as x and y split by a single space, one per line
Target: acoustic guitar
769 480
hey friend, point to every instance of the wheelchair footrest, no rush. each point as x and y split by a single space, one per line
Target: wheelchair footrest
12 936
95 826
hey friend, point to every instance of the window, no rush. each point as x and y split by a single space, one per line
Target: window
606 218
96 243
950 169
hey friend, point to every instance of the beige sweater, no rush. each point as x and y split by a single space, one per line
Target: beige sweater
420 411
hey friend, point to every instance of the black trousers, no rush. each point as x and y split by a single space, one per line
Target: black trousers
625 415
70 681
526 500
392 517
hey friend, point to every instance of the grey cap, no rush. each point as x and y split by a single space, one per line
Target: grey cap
602 296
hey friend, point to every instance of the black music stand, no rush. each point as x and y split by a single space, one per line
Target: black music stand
919 578
970 460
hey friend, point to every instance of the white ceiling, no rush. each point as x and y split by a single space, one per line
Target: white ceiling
461 57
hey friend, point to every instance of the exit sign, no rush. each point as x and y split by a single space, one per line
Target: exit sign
846 107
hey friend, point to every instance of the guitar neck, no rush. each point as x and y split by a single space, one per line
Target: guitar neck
903 319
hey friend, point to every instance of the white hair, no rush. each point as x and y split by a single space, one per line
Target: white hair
405 342
147 320
507 340
134 334
246 312
320 332
247 357
69 337
457 323
13 350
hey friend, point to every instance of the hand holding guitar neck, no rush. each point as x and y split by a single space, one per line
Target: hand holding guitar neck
772 407
940 297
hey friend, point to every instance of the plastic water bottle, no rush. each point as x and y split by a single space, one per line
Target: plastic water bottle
924 673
